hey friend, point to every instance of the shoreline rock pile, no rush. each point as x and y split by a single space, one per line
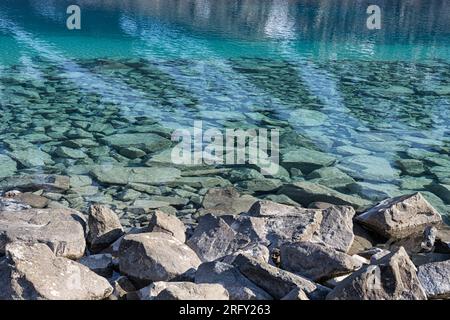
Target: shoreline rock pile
397 249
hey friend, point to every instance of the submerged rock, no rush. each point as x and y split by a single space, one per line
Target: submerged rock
31 157
7 166
33 272
306 192
126 175
367 167
149 142
307 160
401 216
51 183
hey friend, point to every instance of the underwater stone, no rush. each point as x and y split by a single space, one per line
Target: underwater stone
7 166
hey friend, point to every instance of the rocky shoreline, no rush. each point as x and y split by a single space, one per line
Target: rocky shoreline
238 248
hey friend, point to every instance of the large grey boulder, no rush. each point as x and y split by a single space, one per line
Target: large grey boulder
277 282
213 238
183 291
401 216
435 279
33 272
336 228
392 277
216 237
315 261
155 256
63 230
104 227
256 250
238 286
161 222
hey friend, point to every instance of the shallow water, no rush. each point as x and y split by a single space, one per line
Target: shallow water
376 101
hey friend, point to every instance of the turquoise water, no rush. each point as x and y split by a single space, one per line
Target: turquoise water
377 101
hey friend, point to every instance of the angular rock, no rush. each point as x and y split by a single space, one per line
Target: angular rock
238 286
257 251
393 277
161 222
336 228
156 256
435 279
32 157
214 238
315 261
131 152
65 152
336 225
104 227
277 282
122 286
61 229
102 264
306 192
220 201
51 183
401 216
33 272
183 291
